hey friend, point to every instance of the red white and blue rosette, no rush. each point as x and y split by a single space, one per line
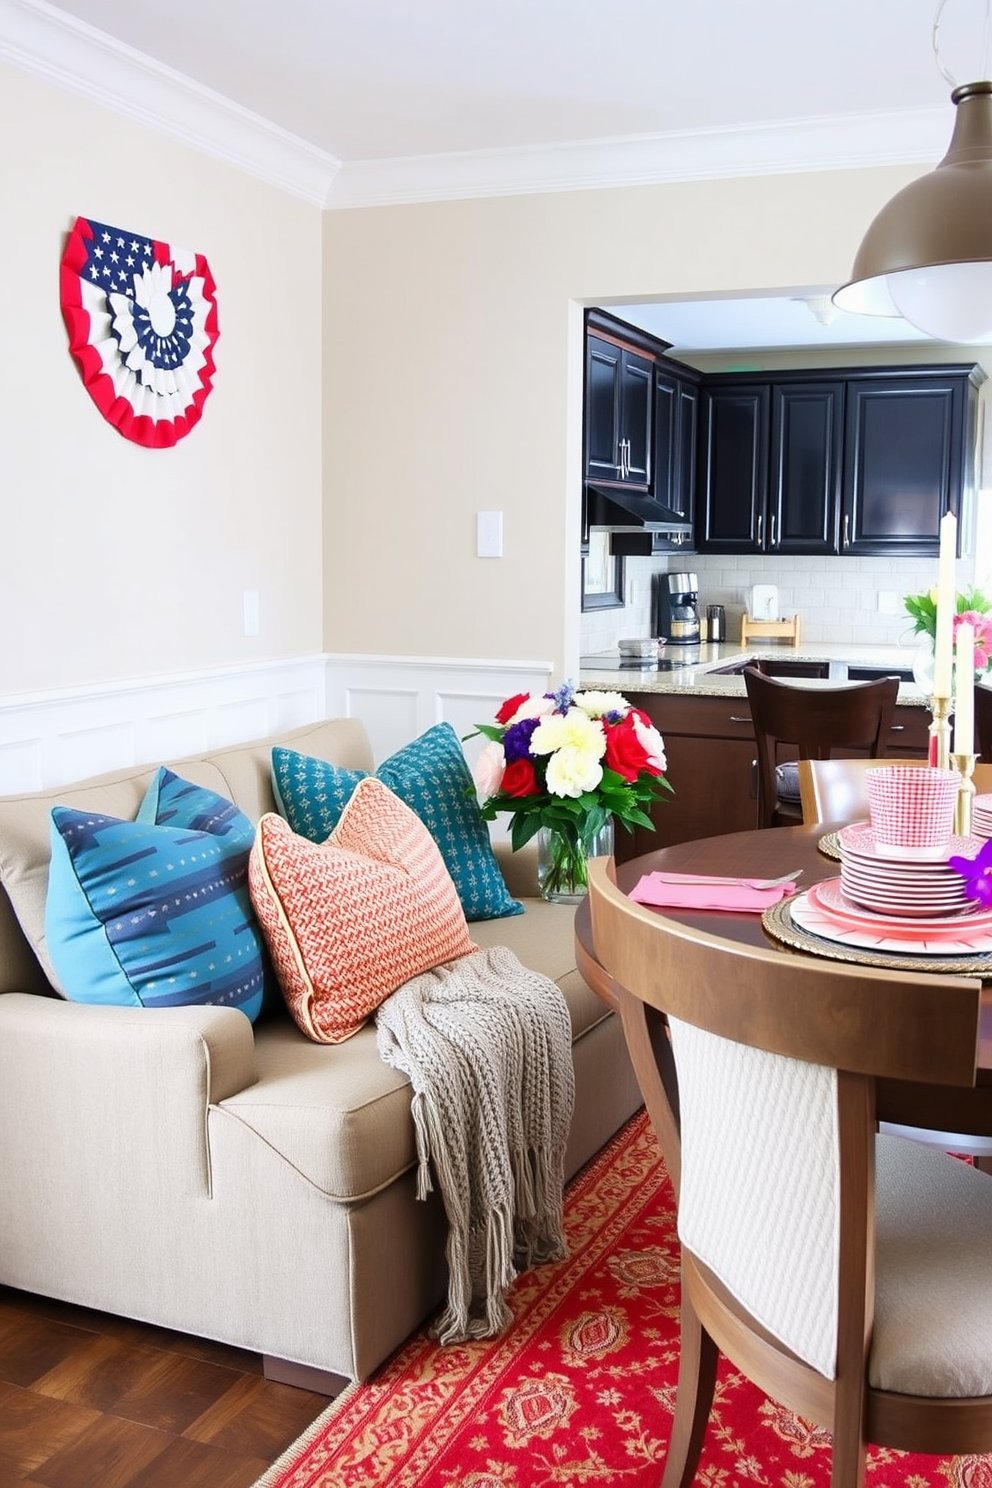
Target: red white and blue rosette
142 322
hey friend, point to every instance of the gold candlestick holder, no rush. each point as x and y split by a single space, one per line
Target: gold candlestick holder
965 766
940 732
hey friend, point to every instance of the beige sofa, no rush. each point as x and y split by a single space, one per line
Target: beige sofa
241 1183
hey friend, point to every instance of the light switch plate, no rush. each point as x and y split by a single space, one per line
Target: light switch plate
489 534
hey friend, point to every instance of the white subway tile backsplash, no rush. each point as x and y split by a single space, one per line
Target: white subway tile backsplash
840 604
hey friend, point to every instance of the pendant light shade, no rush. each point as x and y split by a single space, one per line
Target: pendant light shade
928 254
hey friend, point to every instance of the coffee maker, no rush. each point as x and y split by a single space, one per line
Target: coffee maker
677 608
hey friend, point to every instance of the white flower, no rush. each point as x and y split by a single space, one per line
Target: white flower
598 704
489 767
652 743
572 772
571 730
576 744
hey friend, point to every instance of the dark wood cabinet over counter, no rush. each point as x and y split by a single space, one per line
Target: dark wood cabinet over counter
861 461
842 461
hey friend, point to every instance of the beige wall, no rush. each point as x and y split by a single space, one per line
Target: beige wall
452 375
118 561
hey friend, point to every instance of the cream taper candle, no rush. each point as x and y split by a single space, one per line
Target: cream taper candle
943 650
964 703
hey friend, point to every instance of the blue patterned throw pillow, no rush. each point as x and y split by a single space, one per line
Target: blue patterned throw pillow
156 912
431 775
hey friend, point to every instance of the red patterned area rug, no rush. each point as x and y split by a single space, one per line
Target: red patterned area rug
580 1390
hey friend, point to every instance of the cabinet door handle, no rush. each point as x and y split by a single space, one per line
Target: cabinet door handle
735 719
761 523
626 459
847 531
773 529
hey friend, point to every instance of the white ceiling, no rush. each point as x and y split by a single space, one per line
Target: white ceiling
411 99
378 79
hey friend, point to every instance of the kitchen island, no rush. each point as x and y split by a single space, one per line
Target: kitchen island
700 707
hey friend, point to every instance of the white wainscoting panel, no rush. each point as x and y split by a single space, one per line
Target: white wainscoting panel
399 697
59 737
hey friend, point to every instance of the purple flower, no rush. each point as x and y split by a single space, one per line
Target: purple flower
516 740
563 697
977 873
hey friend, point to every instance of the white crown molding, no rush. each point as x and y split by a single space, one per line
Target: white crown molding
43 40
914 137
40 39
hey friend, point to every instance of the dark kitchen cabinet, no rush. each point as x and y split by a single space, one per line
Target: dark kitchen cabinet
619 391
733 466
907 460
807 433
676 409
857 462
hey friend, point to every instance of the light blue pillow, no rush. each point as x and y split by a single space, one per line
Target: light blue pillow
432 777
156 912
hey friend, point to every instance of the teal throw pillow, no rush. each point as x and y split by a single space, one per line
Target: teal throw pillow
156 912
432 777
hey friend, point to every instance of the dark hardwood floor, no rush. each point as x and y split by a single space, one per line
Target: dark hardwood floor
88 1400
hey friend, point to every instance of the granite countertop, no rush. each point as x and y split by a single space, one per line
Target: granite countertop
701 676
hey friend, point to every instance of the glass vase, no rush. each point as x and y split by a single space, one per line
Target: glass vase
561 861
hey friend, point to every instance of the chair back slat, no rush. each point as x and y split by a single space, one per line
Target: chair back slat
760 1196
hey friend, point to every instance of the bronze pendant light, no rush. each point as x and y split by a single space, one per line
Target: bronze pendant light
928 254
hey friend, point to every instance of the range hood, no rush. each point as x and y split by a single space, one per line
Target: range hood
631 509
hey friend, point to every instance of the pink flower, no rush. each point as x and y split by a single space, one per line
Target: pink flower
982 625
488 771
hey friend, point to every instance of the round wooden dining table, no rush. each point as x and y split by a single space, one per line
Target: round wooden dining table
770 853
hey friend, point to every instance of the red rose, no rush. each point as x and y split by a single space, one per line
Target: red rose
510 707
624 751
519 779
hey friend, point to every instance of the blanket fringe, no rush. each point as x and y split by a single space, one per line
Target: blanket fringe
487 1046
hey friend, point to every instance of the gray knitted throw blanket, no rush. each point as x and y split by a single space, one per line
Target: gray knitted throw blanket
487 1045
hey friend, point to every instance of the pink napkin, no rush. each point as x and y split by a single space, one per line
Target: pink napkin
705 891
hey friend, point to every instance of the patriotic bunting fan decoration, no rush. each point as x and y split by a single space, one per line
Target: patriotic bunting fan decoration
142 322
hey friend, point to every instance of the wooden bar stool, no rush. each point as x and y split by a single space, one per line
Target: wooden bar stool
813 723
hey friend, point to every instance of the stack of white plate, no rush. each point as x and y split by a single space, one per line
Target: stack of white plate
981 816
902 886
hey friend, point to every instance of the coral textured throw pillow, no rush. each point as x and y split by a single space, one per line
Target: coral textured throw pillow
349 920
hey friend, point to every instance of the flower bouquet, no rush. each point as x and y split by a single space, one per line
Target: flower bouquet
972 607
568 764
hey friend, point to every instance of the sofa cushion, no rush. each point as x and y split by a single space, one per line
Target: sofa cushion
155 912
350 919
340 1115
431 775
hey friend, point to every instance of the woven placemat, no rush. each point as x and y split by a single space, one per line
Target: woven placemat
829 845
780 926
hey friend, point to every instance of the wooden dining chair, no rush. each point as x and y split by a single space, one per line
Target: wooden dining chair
847 1274
812 723
835 790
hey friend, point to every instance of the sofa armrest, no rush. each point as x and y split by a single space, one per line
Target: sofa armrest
519 869
118 1088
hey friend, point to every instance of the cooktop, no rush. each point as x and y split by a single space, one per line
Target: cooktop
638 664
